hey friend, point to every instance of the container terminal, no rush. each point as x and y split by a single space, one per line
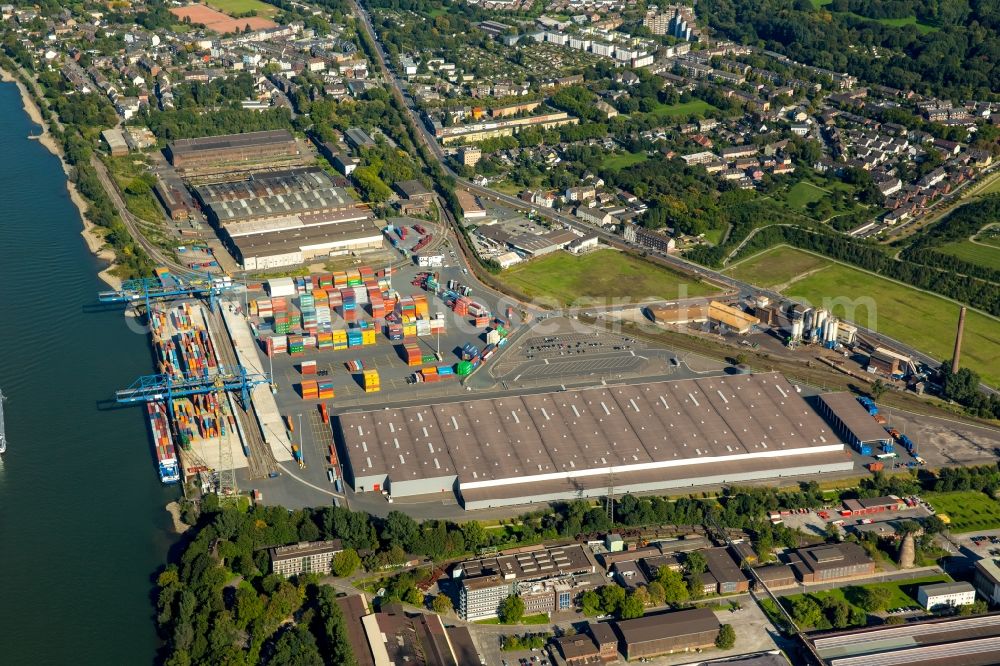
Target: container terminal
381 384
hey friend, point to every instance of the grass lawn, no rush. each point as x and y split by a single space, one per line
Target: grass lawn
920 319
820 3
804 193
263 9
975 253
619 161
604 274
776 267
903 592
993 187
967 511
538 618
922 28
696 107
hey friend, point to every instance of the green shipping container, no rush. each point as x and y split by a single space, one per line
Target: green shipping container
464 368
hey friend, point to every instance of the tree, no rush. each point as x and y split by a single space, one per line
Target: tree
695 563
475 535
414 597
874 599
894 619
400 529
726 638
590 602
297 647
657 594
631 608
858 618
442 604
675 590
612 597
977 607
511 609
345 562
878 389
837 611
806 612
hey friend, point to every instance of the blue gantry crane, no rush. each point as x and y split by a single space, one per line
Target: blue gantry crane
168 388
167 285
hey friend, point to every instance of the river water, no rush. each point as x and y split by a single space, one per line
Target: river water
82 524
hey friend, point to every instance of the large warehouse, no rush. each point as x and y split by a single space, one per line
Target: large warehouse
287 217
231 148
576 443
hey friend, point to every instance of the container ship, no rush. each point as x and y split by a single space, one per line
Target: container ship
166 455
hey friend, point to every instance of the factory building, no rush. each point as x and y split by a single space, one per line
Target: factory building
272 195
987 580
678 631
965 641
715 312
852 422
831 562
232 149
565 445
287 217
546 579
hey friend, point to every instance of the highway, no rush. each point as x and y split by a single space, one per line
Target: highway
670 261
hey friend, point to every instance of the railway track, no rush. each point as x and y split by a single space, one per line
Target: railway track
261 460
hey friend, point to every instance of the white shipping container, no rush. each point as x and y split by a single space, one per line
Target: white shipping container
423 327
281 287
493 337
437 324
361 296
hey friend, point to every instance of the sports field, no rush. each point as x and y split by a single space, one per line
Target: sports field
219 22
922 320
981 254
967 511
602 276
242 6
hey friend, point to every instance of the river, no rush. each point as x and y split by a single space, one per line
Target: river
82 523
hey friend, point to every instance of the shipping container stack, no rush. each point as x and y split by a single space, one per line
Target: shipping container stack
461 306
394 332
310 390
296 345
411 352
371 381
307 368
325 387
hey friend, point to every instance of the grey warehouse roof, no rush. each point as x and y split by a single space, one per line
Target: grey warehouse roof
579 433
188 146
854 417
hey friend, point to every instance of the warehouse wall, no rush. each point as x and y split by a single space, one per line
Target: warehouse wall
424 486
620 487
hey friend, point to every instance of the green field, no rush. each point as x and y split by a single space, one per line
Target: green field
619 161
922 28
604 274
233 7
975 253
695 107
967 511
920 319
993 187
804 193
776 267
903 592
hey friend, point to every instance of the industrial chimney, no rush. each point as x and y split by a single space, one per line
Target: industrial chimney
956 357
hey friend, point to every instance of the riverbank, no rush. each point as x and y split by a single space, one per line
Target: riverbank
174 509
91 233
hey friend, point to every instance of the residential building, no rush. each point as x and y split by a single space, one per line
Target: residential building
304 557
943 595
